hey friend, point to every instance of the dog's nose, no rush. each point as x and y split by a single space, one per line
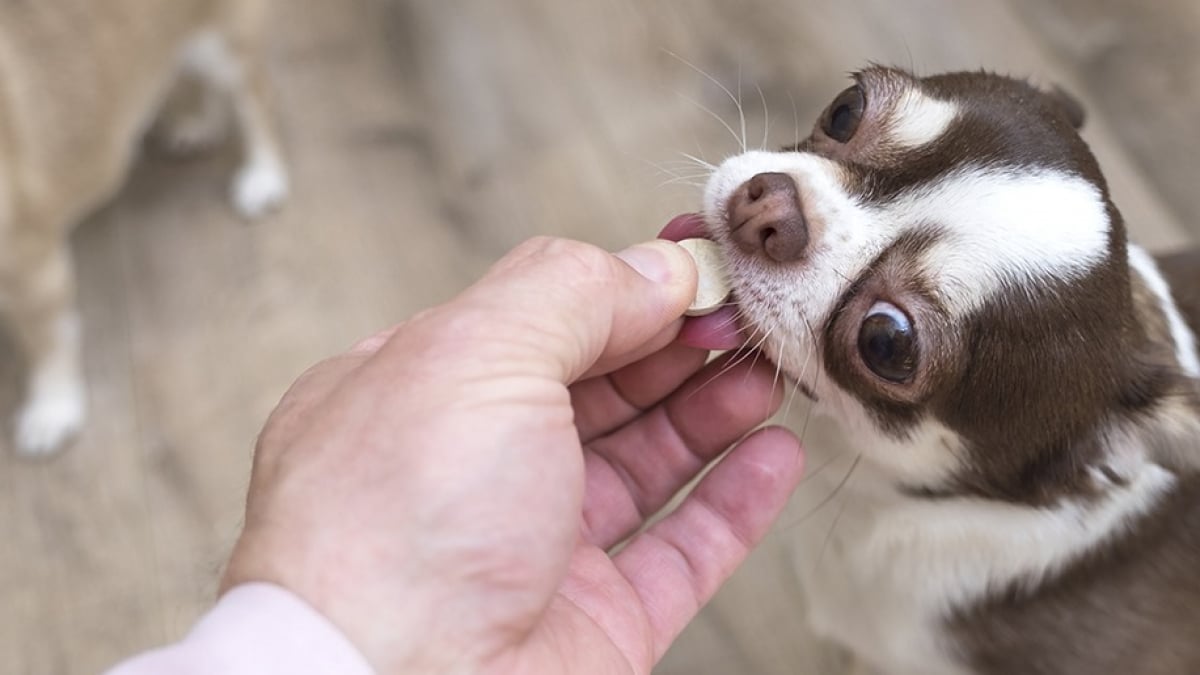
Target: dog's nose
765 218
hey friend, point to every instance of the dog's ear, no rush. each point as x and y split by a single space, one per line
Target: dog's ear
1068 104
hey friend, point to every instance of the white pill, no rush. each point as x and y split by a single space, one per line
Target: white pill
713 288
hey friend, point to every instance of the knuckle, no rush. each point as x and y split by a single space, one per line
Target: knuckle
579 259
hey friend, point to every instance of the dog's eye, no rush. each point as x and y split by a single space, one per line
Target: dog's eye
844 114
887 342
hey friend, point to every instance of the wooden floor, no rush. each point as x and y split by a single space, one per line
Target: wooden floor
426 138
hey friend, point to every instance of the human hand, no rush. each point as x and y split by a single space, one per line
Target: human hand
446 493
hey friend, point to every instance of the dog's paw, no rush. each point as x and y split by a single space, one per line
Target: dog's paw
47 422
258 188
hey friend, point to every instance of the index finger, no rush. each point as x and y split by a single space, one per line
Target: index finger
564 309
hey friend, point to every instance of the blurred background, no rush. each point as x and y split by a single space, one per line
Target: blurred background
427 137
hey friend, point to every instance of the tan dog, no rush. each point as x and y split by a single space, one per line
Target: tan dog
81 81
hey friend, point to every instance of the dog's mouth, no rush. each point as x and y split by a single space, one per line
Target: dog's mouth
725 328
722 329
728 327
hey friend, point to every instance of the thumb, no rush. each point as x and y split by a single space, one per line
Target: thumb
565 309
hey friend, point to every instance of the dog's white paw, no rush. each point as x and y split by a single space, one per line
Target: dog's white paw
259 187
48 421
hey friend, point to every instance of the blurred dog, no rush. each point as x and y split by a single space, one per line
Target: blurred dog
81 82
941 269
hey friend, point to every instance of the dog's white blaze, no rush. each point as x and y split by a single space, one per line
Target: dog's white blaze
1181 335
998 228
894 568
816 173
918 119
1003 227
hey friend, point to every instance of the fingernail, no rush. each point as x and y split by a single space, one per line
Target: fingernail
649 260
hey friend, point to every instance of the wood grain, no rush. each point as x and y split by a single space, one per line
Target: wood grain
426 138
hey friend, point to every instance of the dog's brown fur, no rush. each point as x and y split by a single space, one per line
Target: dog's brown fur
80 83
1028 498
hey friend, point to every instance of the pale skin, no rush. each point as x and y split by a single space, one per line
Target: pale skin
448 493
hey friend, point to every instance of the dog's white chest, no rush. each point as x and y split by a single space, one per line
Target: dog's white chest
878 607
884 579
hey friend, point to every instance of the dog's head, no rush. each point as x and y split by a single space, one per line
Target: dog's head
940 267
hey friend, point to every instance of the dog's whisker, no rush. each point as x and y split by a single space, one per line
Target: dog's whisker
758 352
775 379
703 73
719 374
738 356
688 176
736 100
681 163
832 526
688 171
678 181
796 385
661 167
715 116
701 174
741 109
674 176
766 117
836 489
699 161
795 117
674 172
686 180
813 473
732 320
757 355
809 475
787 379
699 150
816 385
752 350
745 351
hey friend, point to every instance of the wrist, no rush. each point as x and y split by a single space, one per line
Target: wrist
390 638
256 628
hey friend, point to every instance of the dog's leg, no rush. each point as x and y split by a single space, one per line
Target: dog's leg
194 118
41 303
232 65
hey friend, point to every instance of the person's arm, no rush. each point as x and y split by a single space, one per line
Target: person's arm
255 629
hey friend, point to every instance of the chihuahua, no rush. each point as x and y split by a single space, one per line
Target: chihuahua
940 269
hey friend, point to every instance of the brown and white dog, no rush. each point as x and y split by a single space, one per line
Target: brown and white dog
81 82
940 268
